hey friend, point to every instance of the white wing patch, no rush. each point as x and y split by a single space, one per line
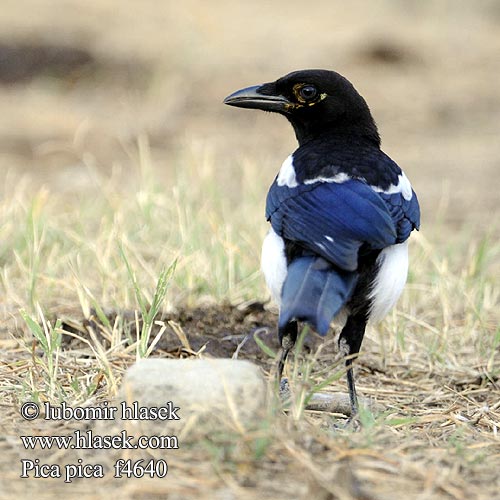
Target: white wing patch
286 175
390 280
403 187
338 179
273 264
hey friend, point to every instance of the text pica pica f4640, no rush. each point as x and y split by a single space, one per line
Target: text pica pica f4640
340 210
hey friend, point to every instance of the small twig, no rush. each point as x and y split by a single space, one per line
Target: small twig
335 402
240 345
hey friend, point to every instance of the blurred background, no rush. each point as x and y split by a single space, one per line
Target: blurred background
81 81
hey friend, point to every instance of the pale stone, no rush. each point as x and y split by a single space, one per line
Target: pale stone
222 394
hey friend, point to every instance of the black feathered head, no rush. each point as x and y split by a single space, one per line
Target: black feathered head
316 102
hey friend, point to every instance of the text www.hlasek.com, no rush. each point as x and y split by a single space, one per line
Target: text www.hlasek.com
88 440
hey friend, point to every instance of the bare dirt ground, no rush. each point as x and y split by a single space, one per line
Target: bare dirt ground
432 440
81 82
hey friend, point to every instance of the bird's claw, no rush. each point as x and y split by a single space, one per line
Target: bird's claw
284 389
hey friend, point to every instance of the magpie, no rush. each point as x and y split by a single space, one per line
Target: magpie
341 212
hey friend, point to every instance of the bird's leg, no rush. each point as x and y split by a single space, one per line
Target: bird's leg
349 344
353 397
287 336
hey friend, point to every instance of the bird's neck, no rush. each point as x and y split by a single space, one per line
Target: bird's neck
348 133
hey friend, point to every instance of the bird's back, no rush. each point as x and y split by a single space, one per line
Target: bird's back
338 206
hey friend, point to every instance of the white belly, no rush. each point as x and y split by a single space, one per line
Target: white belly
390 280
273 263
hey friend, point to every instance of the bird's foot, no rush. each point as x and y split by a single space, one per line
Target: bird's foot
352 424
284 389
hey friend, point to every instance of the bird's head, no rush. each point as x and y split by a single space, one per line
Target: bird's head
316 102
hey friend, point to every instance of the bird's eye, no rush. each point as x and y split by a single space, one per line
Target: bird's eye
308 92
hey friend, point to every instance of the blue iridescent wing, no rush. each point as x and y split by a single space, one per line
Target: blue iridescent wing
332 219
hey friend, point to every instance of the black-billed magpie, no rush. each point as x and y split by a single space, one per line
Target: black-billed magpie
340 209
